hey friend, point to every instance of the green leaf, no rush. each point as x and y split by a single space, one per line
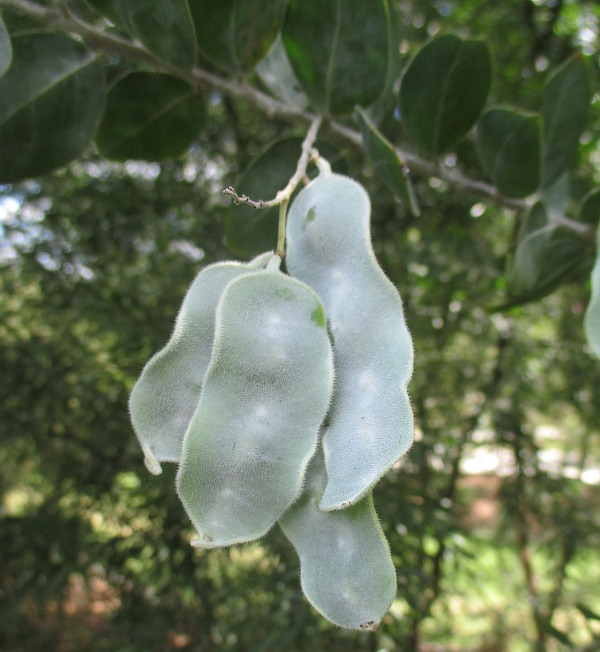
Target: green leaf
249 232
5 48
509 147
387 100
589 208
51 100
150 116
340 51
166 29
443 91
386 162
275 72
236 34
546 256
565 110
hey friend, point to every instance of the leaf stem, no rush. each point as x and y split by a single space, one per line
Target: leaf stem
280 251
323 165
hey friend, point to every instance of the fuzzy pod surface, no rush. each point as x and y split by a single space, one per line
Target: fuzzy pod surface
346 570
167 392
264 397
370 420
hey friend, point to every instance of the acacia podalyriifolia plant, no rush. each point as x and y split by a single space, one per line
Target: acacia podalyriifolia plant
247 329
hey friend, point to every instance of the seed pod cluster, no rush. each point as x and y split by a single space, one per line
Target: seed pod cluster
243 398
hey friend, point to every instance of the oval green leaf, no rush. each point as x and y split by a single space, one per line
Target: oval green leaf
443 91
150 116
546 256
339 50
166 29
236 34
509 146
5 48
51 101
387 164
566 104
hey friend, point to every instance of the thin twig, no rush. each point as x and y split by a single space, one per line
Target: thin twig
282 198
63 19
280 251
556 219
285 194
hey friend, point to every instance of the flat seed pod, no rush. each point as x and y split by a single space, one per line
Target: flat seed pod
370 420
346 570
265 394
167 393
592 314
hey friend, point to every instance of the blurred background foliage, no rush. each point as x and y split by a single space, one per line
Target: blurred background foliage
493 517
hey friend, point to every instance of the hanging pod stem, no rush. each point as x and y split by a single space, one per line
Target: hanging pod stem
280 251
370 422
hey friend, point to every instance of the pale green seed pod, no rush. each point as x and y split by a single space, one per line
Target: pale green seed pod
265 394
167 392
370 420
592 314
346 570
